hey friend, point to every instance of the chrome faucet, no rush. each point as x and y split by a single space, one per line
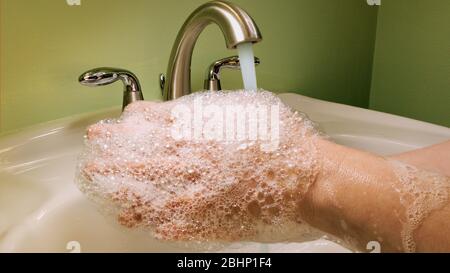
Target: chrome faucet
106 75
236 25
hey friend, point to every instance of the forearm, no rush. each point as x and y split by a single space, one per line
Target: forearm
359 197
434 158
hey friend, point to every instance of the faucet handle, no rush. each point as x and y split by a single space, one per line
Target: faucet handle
212 81
107 75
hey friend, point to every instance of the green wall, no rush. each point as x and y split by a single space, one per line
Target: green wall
321 48
411 72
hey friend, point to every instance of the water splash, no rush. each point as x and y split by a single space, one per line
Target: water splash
246 59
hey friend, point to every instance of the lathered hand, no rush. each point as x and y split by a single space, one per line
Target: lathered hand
202 188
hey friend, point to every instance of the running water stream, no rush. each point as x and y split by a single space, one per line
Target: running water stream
247 62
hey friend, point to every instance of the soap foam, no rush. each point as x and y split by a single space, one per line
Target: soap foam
200 189
222 190
421 192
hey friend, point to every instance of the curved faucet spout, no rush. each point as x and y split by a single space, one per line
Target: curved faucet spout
236 25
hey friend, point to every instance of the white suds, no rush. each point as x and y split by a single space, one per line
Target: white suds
420 192
200 189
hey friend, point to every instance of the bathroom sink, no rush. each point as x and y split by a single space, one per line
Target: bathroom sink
41 210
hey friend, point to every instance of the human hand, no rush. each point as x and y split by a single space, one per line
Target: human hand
203 188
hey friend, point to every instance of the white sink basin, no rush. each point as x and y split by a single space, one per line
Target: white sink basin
41 210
